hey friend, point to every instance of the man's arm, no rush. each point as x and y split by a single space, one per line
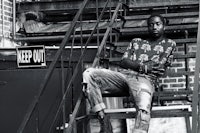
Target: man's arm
149 67
156 69
127 61
129 64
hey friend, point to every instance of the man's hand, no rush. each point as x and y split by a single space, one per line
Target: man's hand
158 71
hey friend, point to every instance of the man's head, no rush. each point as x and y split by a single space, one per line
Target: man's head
156 25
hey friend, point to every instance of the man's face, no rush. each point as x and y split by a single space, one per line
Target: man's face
156 27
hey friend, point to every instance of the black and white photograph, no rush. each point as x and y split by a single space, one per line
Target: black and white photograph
99 66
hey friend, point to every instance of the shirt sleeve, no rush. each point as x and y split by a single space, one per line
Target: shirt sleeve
129 50
128 60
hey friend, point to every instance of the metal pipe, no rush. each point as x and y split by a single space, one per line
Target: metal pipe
63 88
14 20
2 12
195 98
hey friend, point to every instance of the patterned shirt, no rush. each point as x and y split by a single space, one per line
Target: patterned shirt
154 57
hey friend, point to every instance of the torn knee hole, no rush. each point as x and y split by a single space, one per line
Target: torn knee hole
145 115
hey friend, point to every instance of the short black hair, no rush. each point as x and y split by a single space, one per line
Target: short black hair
163 19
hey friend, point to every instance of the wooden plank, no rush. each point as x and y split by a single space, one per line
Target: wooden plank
55 38
66 6
157 112
180 113
173 21
168 28
168 95
162 4
168 16
154 108
172 93
160 114
171 98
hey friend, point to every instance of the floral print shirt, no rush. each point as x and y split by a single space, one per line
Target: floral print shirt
156 57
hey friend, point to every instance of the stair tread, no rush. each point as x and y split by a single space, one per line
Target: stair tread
154 108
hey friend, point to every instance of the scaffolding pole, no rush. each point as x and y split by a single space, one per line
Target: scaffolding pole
195 99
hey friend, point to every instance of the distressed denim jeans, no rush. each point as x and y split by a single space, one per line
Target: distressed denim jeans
139 86
107 81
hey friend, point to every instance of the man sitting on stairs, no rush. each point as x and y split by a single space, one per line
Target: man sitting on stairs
143 62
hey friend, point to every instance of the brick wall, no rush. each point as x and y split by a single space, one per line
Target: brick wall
174 82
6 18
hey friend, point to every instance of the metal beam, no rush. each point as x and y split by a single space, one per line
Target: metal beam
66 6
54 38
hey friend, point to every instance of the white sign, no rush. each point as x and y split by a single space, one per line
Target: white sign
31 56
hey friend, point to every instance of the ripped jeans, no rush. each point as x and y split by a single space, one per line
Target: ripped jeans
139 86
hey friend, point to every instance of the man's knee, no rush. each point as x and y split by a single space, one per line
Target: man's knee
143 100
88 71
87 74
86 80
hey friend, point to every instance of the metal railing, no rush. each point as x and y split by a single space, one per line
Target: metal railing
50 69
95 63
43 85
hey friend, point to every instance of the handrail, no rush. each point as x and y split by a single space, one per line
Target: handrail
75 72
95 62
106 36
50 70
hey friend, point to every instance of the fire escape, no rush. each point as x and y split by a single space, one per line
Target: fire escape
96 33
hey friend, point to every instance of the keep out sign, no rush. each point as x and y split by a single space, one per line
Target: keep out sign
31 56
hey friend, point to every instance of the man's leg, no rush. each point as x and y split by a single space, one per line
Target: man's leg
142 91
142 120
99 110
97 81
